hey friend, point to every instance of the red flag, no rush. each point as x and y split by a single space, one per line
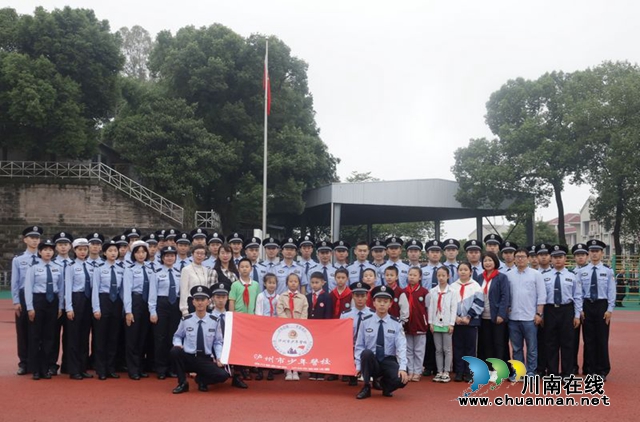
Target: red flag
266 82
318 345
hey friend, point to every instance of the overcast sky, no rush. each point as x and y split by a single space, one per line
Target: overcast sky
399 85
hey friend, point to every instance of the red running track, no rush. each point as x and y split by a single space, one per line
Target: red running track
62 399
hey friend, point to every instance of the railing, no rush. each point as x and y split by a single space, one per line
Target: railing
208 220
94 171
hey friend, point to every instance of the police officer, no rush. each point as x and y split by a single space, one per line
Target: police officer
581 256
378 252
44 298
357 313
19 266
252 252
544 261
133 235
508 250
325 266
77 294
236 240
492 243
533 257
341 254
599 292
394 250
199 236
215 241
451 248
183 246
288 265
473 250
63 247
95 248
561 313
196 343
434 254
381 347
305 248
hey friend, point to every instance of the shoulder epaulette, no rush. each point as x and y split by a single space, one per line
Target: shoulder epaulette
347 311
186 317
54 262
367 317
132 265
120 264
396 319
158 270
606 266
213 317
100 264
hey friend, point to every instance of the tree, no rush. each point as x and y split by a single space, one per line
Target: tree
136 45
605 110
219 73
543 233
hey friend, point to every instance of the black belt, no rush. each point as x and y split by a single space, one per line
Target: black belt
560 306
199 355
595 301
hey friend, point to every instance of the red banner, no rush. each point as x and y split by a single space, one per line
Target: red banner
323 346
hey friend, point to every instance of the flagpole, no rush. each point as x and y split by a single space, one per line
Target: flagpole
264 169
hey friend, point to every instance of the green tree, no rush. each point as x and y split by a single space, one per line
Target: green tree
220 73
136 45
543 233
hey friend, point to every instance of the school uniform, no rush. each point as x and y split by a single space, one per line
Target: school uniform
164 294
403 272
282 271
341 302
106 299
266 304
328 272
244 295
399 304
320 305
78 300
470 304
357 268
292 305
19 267
137 281
441 312
416 328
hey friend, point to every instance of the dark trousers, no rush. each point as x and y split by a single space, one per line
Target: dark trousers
596 338
60 331
491 339
41 333
542 357
558 326
464 344
168 320
576 349
387 369
78 334
107 331
135 334
207 371
22 333
430 355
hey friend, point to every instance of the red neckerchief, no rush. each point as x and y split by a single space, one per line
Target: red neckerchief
488 278
339 296
412 300
291 296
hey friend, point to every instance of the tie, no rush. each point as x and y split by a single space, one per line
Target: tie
594 285
152 265
255 273
222 324
200 340
245 296
172 288
182 263
325 287
440 301
557 291
451 267
380 342
236 261
49 284
355 336
434 277
475 274
462 286
113 287
87 281
315 300
361 271
271 304
34 261
270 265
306 269
145 285
291 296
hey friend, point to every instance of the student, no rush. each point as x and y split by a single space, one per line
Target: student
291 304
561 313
399 305
244 292
369 277
192 275
137 281
358 312
107 311
599 292
164 310
341 295
442 307
77 294
470 306
198 339
416 326
44 299
357 268
394 250
266 304
381 347
19 267
320 307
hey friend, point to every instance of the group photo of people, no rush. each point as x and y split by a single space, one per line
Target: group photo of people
143 305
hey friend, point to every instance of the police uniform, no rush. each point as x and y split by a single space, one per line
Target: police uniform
309 266
131 235
181 262
19 266
599 292
196 342
381 349
377 245
563 305
476 270
164 295
429 271
357 315
542 248
452 266
44 294
105 298
508 246
341 245
495 239
213 238
578 248
282 270
96 238
236 238
62 237
77 294
328 271
403 269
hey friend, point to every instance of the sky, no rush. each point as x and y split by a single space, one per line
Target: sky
399 86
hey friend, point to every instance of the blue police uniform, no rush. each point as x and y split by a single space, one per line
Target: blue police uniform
357 268
78 300
19 266
403 272
164 304
282 271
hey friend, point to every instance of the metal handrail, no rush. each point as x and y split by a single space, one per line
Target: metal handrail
208 220
94 171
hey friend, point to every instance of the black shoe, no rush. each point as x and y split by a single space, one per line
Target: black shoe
344 378
238 383
21 370
203 387
162 376
458 378
332 377
36 376
387 393
364 393
76 377
135 377
259 376
467 377
270 375
46 375
143 375
181 388
353 381
102 377
376 385
172 375
53 371
113 375
245 374
86 375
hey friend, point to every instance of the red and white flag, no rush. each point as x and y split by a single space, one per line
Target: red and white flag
307 345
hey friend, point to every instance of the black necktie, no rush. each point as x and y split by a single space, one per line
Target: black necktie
475 274
361 271
152 265
222 324
255 273
172 288
325 286
200 340
87 281
49 284
451 279
113 287
145 285
380 342
182 263
306 269
34 261
594 285
355 335
557 290
236 261
434 277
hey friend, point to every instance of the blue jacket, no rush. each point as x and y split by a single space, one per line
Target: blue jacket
324 306
499 297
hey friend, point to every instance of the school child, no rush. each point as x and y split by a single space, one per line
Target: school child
292 304
341 294
416 326
320 307
442 305
370 278
399 303
266 304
